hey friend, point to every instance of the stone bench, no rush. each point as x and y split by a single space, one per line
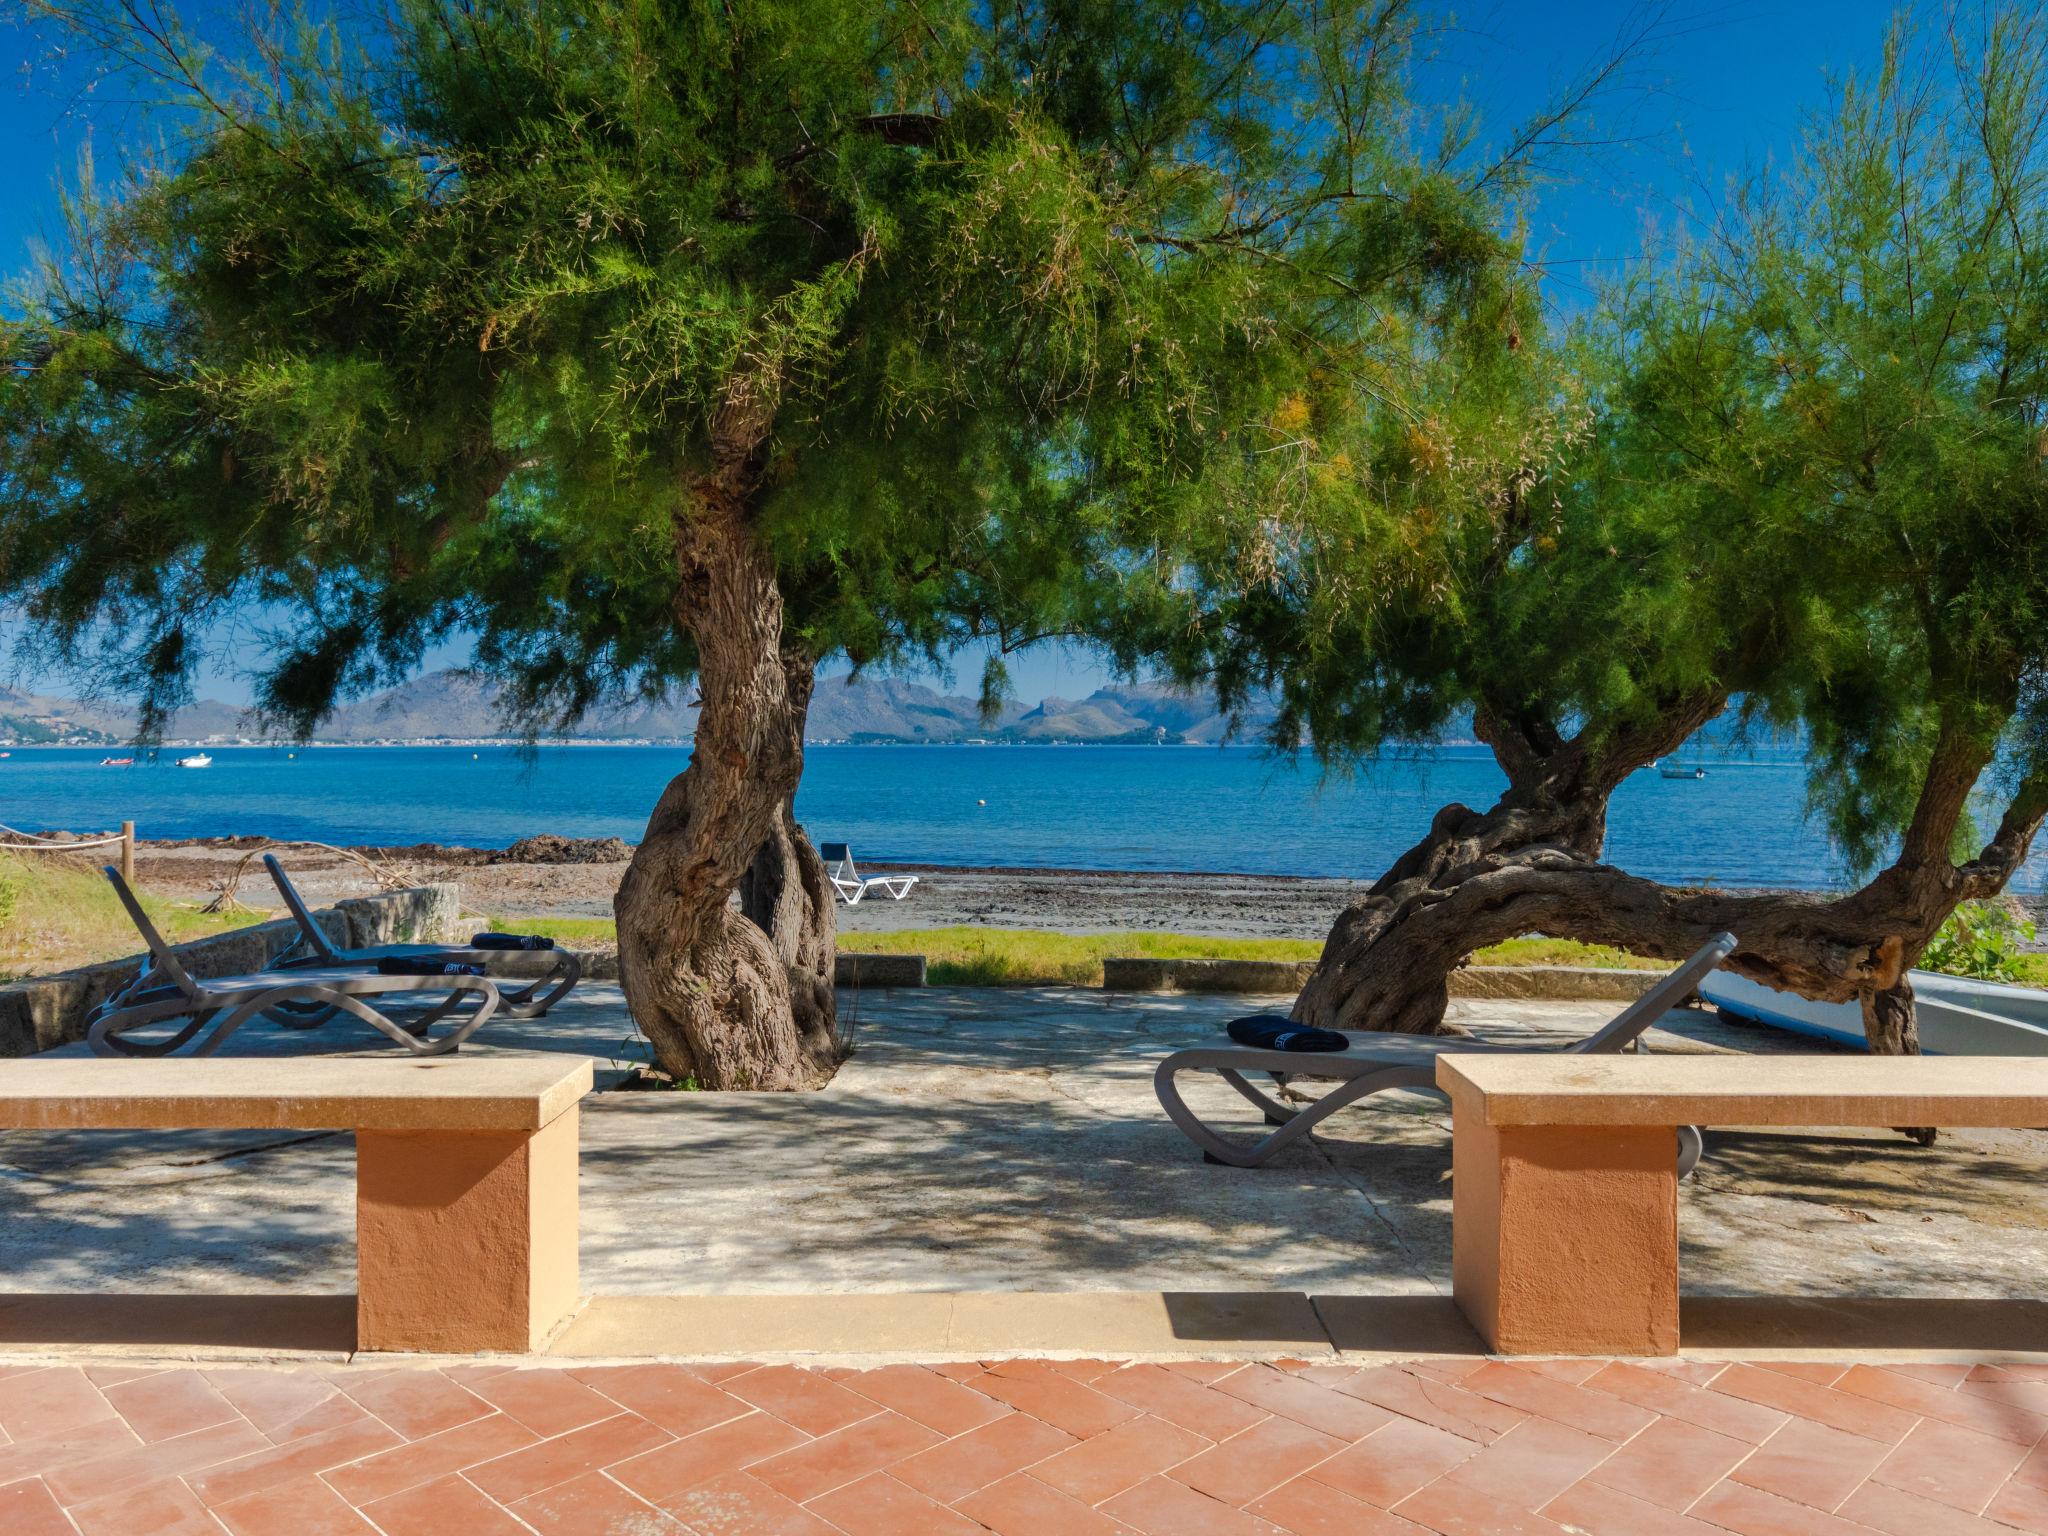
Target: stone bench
1564 1211
466 1212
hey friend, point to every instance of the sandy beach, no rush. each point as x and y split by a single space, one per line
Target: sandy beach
1070 901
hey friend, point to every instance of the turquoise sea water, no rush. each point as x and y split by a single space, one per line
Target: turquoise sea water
1157 808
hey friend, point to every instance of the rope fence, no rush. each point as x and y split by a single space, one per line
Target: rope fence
37 844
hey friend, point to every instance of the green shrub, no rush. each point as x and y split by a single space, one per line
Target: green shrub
1984 940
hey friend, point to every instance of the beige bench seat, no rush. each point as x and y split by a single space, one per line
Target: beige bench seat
1565 1170
466 1208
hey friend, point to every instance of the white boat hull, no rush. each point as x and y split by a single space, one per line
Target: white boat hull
1958 1016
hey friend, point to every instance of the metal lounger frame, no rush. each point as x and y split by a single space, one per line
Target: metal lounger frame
166 990
524 1002
851 884
1378 1060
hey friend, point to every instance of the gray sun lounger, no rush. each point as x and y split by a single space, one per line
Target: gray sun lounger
1378 1059
530 1001
299 998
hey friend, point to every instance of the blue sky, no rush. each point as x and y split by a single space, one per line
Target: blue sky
1722 85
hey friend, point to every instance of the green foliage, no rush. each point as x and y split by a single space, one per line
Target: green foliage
439 329
1983 939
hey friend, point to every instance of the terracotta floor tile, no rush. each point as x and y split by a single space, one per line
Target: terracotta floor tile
2021 1505
1309 1508
1597 1413
337 1412
50 1401
1952 1466
290 1462
104 1376
272 1400
1573 1370
1060 1401
843 1456
1454 1511
958 1370
717 1373
926 1397
667 1395
1021 1505
732 1446
878 1505
1806 1400
1415 1395
1822 1373
1208 1372
169 1403
1253 1464
1934 1373
808 1399
1595 1509
736 1505
1533 1463
422 1461
1671 1463
27 1509
1086 1370
2033 1470
1320 1408
972 1461
1394 1461
1898 1513
1752 1512
47 1453
589 1449
1675 1397
1181 1398
444 1507
1159 1506
167 1508
418 1403
2007 1384
1453 1369
1119 1458
138 1466
593 1505
548 1402
1810 1464
302 1507
2001 1419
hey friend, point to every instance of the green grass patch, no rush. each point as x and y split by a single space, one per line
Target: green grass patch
56 914
1023 957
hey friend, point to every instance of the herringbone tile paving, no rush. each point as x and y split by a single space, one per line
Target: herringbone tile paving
1024 1447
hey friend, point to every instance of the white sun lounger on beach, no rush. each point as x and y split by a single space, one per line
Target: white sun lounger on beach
527 1002
300 998
1378 1059
851 884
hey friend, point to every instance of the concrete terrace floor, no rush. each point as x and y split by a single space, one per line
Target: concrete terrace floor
1009 1140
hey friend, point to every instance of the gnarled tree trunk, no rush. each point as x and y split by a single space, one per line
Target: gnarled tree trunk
732 996
1531 865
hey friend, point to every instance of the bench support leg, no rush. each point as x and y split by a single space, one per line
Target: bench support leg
1564 1239
465 1242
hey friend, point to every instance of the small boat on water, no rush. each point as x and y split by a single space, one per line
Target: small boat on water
196 760
117 762
1958 1016
1680 771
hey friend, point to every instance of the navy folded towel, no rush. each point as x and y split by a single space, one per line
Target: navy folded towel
510 941
1277 1032
406 965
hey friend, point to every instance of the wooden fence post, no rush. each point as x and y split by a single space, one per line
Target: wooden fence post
128 851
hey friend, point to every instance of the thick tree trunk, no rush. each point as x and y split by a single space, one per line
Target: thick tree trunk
786 894
732 999
1531 865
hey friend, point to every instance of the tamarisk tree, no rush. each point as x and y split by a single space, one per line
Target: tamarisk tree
1804 474
689 344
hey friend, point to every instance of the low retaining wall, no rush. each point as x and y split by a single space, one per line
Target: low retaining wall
852 970
1560 982
44 1012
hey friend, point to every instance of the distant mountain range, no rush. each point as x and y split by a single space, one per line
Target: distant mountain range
458 706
